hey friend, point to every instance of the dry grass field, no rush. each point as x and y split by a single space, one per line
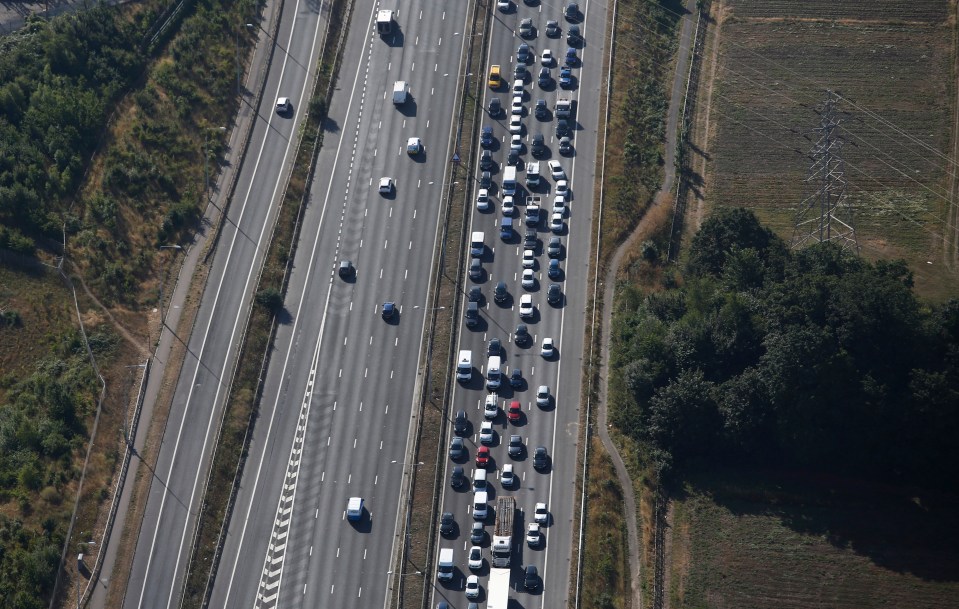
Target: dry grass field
782 541
893 63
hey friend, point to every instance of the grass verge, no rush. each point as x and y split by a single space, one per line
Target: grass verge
244 399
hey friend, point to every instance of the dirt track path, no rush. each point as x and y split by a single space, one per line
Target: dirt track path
662 197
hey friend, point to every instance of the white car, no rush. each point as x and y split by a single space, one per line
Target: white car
546 58
386 186
556 222
532 534
490 409
562 189
556 170
476 558
482 199
540 514
542 396
529 259
472 586
547 351
529 281
559 205
517 106
283 105
516 143
414 146
508 206
486 432
516 124
525 306
506 477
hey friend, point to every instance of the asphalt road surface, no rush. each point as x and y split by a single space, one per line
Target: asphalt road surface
556 426
165 538
336 414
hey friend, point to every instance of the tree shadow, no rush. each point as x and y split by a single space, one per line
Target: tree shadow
905 530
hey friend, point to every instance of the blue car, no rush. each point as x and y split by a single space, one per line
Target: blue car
486 139
565 78
571 58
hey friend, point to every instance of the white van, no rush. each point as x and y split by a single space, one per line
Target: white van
480 508
509 180
477 244
532 173
400 92
479 479
354 508
444 566
493 374
464 366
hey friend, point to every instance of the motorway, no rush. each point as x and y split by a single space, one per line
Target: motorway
555 427
166 534
336 415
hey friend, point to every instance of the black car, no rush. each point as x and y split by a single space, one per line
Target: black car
521 336
346 269
565 145
457 448
512 158
530 241
541 110
494 346
500 293
531 578
516 378
554 295
571 11
515 445
486 160
562 127
495 106
389 310
486 138
458 477
446 524
552 29
573 37
539 457
486 180
460 422
538 145
553 271
475 294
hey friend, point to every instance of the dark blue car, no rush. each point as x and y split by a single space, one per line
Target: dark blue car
486 139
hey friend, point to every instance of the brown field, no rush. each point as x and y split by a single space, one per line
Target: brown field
777 541
893 63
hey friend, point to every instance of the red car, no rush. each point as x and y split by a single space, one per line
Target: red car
514 411
482 456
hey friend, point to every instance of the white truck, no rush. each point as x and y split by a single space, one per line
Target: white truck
564 108
444 566
497 594
401 91
384 21
533 210
502 546
532 173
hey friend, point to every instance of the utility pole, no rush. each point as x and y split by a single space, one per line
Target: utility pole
825 215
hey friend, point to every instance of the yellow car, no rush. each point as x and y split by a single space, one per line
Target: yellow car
495 80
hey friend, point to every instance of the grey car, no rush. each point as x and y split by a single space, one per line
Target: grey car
500 293
555 247
521 336
477 533
565 145
457 478
457 448
539 457
545 78
515 445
